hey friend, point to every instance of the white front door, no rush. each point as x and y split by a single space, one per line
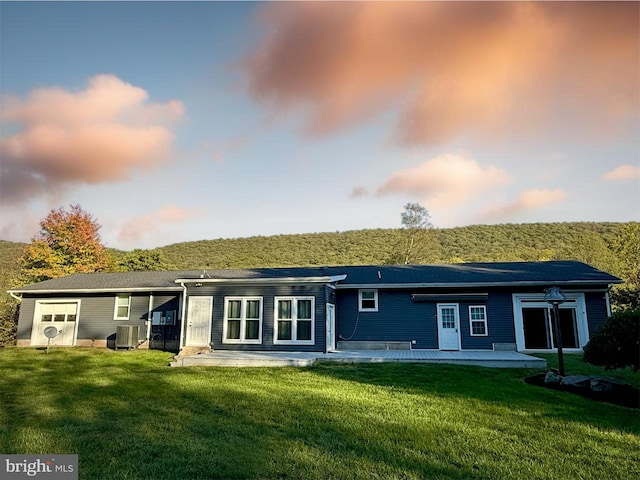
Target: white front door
199 321
448 326
331 326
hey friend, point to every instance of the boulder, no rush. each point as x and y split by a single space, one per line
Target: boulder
576 381
552 378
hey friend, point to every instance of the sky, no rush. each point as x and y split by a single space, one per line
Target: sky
174 122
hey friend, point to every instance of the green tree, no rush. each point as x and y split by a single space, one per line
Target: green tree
143 260
627 248
68 242
418 242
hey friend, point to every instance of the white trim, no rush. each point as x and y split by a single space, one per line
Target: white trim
115 307
456 308
294 320
375 299
536 300
261 280
484 320
37 318
607 300
330 340
243 311
523 283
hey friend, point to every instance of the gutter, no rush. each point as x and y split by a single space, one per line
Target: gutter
542 283
10 292
183 316
263 280
97 290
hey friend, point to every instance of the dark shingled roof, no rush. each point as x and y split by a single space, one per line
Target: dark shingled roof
462 274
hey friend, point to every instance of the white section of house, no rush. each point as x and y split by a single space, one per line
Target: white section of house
330 345
533 318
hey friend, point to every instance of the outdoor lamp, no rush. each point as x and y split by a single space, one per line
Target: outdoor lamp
555 297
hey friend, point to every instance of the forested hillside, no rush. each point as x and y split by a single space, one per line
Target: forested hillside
590 242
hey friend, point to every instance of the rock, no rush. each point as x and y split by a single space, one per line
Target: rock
605 384
576 381
552 378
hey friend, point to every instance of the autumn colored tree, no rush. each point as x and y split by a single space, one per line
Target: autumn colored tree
68 242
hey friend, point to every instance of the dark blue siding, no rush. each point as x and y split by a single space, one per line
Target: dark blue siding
596 310
401 319
268 293
398 319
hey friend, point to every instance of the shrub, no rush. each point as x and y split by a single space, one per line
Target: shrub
617 343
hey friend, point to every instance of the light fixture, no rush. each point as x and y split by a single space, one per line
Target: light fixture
554 296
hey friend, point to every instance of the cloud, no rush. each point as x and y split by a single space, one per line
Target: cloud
451 68
446 180
623 172
358 192
136 229
96 135
526 201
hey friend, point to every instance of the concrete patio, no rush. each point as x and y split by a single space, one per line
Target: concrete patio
483 358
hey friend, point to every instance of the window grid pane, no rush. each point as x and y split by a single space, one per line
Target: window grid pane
234 309
478 328
304 309
251 330
253 309
304 330
284 330
233 329
284 309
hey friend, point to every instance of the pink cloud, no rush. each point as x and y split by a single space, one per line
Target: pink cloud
526 201
450 67
95 135
136 229
446 180
623 172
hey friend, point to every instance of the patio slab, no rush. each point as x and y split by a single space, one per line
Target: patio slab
484 358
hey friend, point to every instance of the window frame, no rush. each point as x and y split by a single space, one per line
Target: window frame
243 320
116 305
294 320
375 299
484 321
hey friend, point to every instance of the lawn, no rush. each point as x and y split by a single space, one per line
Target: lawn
127 415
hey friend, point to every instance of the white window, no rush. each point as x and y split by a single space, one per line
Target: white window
478 321
242 320
58 312
368 300
122 308
294 320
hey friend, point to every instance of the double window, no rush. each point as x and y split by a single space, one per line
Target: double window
478 321
122 307
294 320
242 320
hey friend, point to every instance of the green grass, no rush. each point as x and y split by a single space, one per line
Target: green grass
127 415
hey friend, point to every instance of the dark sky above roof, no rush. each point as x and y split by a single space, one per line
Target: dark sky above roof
557 272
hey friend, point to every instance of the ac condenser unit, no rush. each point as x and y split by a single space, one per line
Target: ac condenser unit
127 336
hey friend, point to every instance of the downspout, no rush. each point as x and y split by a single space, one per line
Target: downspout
149 315
183 304
607 301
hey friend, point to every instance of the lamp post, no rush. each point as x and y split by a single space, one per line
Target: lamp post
555 297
